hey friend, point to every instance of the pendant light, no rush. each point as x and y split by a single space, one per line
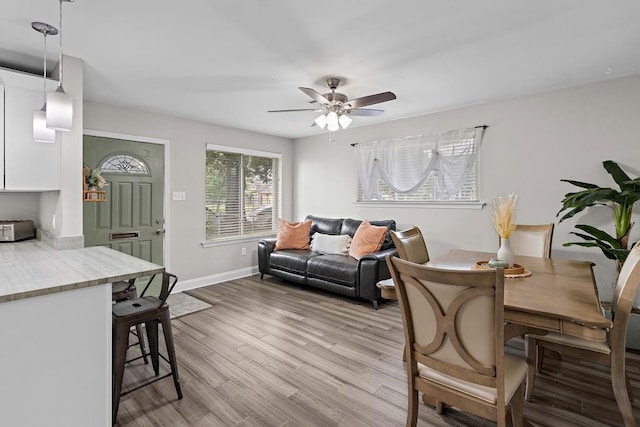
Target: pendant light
40 131
60 103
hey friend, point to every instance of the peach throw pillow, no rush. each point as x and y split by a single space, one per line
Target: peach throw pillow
293 235
367 239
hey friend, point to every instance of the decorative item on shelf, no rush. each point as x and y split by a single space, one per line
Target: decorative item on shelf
93 183
502 219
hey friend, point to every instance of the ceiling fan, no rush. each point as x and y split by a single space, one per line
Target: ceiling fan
335 107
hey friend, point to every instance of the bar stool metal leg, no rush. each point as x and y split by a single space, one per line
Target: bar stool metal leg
120 342
168 338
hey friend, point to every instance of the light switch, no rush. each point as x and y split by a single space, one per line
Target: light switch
179 195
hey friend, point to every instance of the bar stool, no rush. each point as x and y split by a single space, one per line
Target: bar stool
151 311
122 291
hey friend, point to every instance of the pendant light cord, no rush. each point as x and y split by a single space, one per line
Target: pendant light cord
44 68
60 35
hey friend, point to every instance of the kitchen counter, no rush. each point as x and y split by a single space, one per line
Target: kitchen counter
32 268
55 317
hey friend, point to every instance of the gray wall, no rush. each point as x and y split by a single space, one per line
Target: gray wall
186 225
532 142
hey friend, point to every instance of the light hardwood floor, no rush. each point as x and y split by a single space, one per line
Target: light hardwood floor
269 353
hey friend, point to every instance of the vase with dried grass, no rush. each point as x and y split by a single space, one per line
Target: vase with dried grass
502 219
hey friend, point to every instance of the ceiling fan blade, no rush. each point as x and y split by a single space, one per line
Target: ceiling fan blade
316 96
370 100
365 112
288 111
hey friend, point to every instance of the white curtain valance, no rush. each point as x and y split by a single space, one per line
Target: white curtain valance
406 163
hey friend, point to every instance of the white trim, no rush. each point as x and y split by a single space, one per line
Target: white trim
237 240
198 282
244 151
167 179
423 205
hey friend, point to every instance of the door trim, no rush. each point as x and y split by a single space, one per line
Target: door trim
167 180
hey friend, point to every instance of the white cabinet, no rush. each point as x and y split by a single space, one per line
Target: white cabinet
27 165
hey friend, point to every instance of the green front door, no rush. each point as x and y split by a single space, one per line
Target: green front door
132 218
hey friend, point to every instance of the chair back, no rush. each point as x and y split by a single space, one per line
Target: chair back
453 321
532 240
410 245
623 298
168 283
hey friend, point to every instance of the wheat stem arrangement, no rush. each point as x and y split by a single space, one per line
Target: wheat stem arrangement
502 217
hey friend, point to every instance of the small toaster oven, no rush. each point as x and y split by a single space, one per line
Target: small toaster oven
15 230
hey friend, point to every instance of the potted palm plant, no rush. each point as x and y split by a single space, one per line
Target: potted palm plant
620 201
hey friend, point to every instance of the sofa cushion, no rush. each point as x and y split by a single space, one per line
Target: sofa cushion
325 225
293 235
368 239
339 269
349 226
331 245
292 261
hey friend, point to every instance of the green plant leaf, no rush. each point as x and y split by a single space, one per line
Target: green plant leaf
616 172
599 235
579 183
605 250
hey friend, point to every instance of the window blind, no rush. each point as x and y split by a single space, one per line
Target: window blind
242 193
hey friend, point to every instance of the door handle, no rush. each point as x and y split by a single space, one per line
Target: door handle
160 231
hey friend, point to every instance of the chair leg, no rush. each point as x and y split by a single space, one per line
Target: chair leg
143 350
619 382
152 336
120 342
539 358
412 407
517 407
531 349
168 339
375 304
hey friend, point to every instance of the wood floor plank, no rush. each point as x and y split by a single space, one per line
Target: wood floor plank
270 353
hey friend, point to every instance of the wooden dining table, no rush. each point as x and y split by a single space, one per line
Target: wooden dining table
560 295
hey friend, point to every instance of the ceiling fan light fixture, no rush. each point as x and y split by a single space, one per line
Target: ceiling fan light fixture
321 121
345 120
332 119
332 127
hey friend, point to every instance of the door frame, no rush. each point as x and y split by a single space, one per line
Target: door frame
167 180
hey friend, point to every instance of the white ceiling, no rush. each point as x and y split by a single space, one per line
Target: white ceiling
229 61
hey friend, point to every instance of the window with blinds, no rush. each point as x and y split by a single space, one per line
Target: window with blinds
242 193
427 192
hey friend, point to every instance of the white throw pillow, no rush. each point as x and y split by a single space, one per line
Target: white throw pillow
331 245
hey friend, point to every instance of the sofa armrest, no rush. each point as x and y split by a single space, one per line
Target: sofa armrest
380 255
371 269
265 248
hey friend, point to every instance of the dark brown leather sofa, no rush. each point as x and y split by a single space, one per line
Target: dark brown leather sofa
336 273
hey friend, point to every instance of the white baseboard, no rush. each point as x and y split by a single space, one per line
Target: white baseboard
185 285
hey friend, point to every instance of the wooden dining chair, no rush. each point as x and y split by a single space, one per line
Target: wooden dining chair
454 329
610 353
532 240
410 245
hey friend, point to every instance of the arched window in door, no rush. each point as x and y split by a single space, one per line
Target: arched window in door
122 163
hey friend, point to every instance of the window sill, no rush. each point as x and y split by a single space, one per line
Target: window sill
235 240
422 205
